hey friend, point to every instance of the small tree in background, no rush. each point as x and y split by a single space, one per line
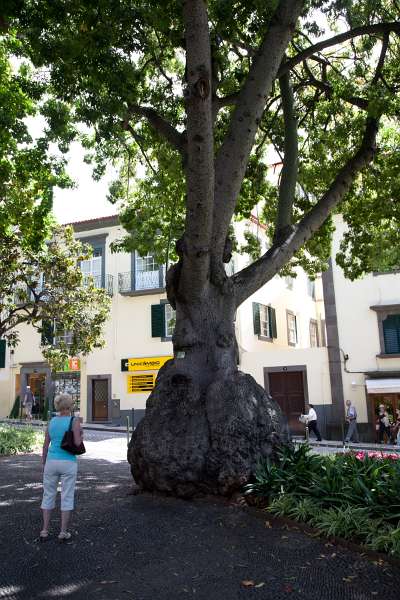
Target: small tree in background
44 288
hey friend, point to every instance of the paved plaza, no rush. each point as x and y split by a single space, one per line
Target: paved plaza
152 548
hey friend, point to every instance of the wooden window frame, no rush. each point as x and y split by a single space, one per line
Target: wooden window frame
290 313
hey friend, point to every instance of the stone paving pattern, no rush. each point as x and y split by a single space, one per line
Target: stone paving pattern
153 548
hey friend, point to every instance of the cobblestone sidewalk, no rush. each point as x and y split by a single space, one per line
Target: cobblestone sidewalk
149 548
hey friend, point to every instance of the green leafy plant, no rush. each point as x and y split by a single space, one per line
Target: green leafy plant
304 510
348 522
14 440
282 505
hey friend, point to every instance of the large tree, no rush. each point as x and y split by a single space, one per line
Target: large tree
196 91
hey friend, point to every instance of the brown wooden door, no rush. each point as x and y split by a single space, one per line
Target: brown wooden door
287 389
99 399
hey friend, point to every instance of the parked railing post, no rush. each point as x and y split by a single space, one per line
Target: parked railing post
307 434
127 430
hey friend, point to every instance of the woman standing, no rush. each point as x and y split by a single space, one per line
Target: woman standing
59 465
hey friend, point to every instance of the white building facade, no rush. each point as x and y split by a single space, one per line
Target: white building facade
280 332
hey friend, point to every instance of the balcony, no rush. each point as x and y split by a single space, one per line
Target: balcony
107 283
141 282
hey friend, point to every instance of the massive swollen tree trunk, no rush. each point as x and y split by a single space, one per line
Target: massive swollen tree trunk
207 424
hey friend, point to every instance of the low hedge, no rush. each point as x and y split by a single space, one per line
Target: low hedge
14 440
353 495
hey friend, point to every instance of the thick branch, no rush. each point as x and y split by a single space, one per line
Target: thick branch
249 280
161 125
233 155
200 146
289 173
381 61
378 28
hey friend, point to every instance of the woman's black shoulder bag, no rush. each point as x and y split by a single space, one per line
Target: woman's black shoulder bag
68 443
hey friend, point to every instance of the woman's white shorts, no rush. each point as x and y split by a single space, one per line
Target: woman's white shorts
55 471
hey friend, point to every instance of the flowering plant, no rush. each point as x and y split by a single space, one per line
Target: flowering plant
378 455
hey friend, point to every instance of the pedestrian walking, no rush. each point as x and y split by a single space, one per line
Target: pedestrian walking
311 421
59 465
396 427
351 419
28 402
384 424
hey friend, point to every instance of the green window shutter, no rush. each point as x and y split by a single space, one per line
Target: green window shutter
272 322
47 333
157 320
3 346
256 318
391 334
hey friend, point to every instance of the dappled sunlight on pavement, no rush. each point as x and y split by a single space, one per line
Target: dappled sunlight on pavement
157 548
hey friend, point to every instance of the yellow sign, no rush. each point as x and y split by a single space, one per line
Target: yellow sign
151 363
140 384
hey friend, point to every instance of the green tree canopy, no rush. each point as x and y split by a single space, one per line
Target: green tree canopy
120 68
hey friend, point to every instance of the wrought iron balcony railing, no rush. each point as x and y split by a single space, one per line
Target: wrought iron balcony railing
141 281
107 283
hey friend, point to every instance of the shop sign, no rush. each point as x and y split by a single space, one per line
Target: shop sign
72 364
148 363
140 384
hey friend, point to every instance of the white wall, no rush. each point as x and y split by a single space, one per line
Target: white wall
315 359
358 324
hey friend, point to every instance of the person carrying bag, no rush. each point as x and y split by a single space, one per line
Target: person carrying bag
63 441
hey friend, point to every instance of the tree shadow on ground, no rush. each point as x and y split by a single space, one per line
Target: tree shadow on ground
157 548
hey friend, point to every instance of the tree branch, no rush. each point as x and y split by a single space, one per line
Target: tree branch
250 279
161 125
384 28
289 173
361 103
232 158
381 61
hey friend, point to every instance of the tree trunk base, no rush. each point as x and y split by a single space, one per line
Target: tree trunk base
189 443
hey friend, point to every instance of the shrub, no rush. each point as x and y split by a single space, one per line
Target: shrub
282 505
14 440
287 472
349 522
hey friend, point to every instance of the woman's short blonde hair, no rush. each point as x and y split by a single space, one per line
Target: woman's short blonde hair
63 402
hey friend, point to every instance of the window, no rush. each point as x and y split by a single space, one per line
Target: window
163 320
93 267
389 329
264 321
391 334
314 341
311 288
3 346
53 334
291 328
147 273
289 282
170 320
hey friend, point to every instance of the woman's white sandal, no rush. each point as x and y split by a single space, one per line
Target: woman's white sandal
63 536
43 535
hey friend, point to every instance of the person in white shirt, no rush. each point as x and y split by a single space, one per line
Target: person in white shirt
351 418
311 421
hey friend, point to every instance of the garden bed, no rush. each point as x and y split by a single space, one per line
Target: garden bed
19 440
353 496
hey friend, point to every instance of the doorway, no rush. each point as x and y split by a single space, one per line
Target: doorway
289 389
100 399
390 401
37 383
